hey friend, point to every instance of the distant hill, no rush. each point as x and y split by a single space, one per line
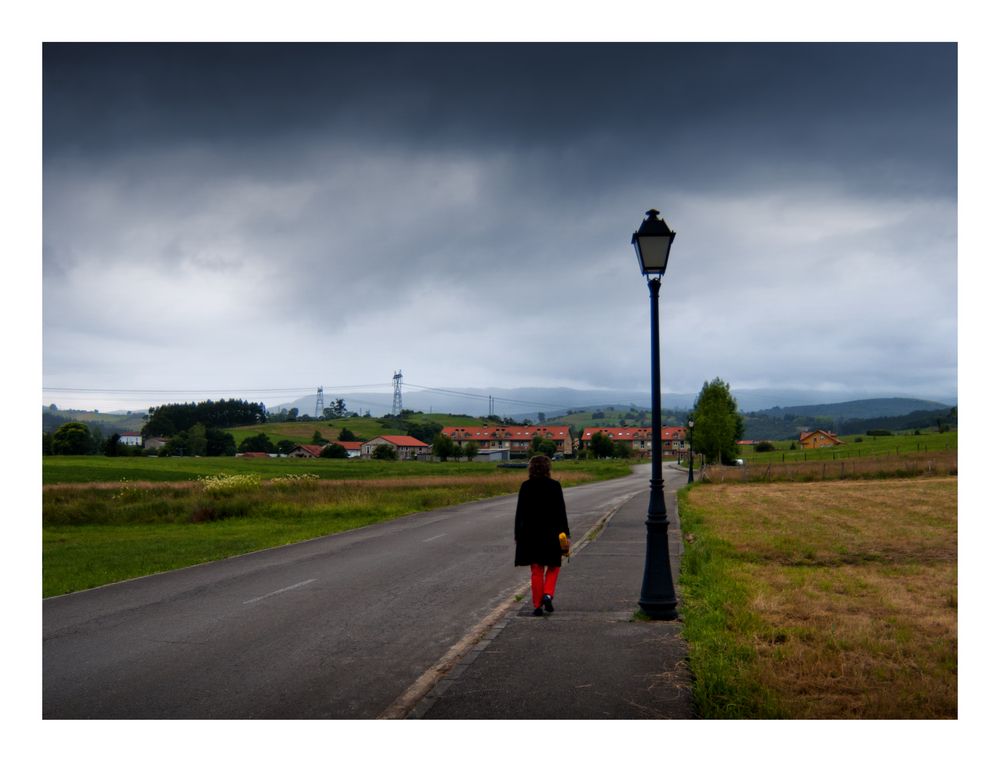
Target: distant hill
867 408
527 402
855 417
107 423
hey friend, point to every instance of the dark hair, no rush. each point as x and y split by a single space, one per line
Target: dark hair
539 466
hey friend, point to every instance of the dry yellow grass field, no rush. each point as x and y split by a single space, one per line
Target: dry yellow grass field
852 587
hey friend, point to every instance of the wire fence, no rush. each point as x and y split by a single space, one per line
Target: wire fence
874 467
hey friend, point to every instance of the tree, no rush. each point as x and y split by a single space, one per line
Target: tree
425 432
444 446
601 445
73 438
111 448
384 452
257 443
317 439
346 435
197 441
333 450
622 450
219 442
470 450
543 446
717 423
285 446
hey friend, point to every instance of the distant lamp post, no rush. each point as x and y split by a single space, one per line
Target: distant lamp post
657 599
690 451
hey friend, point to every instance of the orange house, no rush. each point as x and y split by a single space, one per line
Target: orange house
811 440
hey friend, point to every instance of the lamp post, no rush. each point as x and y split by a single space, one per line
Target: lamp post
657 599
690 451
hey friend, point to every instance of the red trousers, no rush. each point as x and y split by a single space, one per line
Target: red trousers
543 582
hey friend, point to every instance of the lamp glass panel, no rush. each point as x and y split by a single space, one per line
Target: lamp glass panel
653 252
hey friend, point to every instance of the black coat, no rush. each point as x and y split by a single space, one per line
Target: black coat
540 517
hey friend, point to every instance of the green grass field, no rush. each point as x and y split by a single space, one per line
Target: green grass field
900 444
364 428
109 519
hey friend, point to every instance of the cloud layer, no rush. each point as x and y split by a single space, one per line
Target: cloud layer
247 217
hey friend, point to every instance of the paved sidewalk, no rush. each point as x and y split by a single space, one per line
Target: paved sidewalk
590 659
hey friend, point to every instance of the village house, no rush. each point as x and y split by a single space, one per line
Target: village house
640 439
306 451
353 448
407 448
131 438
515 439
810 440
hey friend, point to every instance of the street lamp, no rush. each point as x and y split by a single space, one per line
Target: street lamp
652 243
690 451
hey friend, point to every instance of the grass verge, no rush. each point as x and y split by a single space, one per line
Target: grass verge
834 600
93 534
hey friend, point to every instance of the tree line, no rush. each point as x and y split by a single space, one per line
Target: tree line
764 425
168 420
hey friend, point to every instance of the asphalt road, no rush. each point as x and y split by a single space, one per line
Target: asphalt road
337 627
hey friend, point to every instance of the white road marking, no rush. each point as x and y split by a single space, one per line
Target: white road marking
434 537
279 592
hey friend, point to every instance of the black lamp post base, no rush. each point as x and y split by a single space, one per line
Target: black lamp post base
661 612
657 598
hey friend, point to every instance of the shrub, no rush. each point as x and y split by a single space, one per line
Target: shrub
763 447
385 452
334 450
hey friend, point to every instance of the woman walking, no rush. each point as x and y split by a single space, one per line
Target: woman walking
538 522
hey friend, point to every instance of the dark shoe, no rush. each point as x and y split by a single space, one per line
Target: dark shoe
547 603
537 612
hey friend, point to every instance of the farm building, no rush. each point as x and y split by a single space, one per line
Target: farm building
131 438
353 448
516 440
306 451
818 438
640 439
407 448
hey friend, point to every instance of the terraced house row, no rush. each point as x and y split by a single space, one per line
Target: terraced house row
640 439
516 439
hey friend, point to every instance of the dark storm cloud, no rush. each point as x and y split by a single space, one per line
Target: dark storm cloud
698 105
487 191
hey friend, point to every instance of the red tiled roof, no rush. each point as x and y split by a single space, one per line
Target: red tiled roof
518 433
350 445
312 449
401 441
631 433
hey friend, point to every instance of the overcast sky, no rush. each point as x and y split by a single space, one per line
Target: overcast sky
224 219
